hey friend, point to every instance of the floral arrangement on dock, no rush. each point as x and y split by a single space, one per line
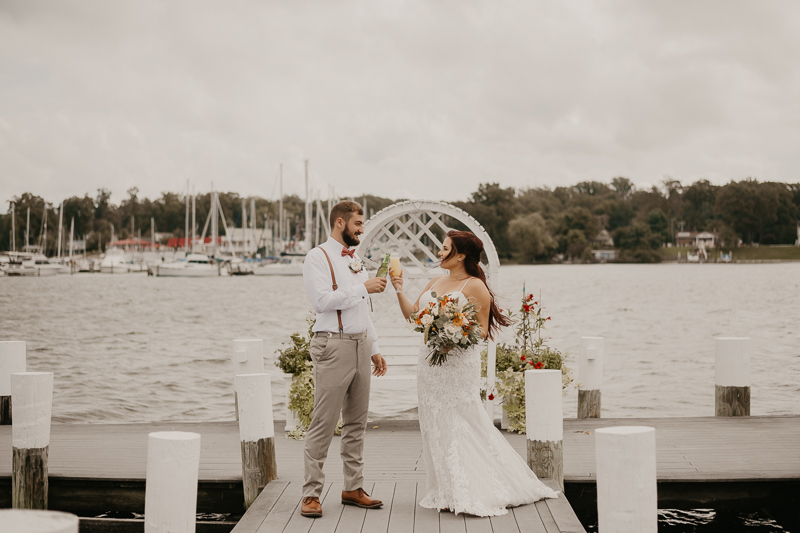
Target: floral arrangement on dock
295 359
449 325
529 351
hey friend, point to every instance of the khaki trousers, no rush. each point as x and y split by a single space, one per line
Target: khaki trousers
342 377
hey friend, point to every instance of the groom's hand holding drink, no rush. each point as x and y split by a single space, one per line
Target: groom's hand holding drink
375 285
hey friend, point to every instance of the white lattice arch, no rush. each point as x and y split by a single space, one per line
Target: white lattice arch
414 230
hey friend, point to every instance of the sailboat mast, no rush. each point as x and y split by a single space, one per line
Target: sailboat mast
280 209
254 244
61 223
307 236
13 227
194 214
245 243
186 226
44 232
71 240
28 229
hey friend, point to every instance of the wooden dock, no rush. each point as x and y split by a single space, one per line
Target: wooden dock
96 468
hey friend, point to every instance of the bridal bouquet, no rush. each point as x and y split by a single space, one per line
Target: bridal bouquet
447 324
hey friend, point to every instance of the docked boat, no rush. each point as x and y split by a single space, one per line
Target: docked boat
33 265
115 262
193 266
287 268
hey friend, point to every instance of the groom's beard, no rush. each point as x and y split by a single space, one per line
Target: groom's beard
350 239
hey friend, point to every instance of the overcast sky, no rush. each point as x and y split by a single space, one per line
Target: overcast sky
393 98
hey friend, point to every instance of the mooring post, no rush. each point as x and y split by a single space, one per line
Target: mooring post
12 360
170 499
30 438
626 479
732 376
544 419
590 376
256 433
29 521
291 416
248 358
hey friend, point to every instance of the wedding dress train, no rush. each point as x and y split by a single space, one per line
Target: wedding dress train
471 467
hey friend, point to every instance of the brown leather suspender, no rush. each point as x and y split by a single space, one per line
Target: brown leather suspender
333 277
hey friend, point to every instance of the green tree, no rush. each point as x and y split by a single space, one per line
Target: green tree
530 241
638 244
493 206
576 244
659 225
698 204
623 187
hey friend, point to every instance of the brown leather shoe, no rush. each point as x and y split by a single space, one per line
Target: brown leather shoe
311 507
360 498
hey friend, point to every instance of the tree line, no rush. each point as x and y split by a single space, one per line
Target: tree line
527 225
98 218
536 224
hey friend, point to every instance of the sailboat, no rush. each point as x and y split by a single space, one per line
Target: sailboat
197 265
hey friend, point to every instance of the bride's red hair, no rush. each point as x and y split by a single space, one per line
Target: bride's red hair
471 246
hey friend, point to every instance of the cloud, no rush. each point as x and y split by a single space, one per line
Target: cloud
425 98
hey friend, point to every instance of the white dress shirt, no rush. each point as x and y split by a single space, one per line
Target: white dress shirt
351 296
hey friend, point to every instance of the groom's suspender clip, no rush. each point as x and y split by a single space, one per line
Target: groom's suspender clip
333 277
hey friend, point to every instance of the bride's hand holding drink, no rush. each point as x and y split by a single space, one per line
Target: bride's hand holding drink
397 280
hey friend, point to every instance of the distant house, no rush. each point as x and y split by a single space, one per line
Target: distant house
605 255
700 239
603 239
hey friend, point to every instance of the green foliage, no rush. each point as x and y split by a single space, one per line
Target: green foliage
530 351
294 358
530 239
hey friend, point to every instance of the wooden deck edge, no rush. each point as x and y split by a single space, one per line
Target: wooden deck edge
136 525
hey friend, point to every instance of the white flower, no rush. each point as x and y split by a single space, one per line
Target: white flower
356 265
453 331
435 310
426 320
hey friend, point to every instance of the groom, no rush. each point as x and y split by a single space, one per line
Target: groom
342 345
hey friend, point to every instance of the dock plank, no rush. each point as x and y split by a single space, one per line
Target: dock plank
477 524
260 508
425 520
452 523
404 503
504 523
528 520
302 524
560 510
377 520
353 517
549 523
283 510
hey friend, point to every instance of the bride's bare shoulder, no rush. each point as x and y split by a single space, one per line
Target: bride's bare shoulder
476 289
432 282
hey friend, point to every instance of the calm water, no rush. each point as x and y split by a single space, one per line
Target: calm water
129 348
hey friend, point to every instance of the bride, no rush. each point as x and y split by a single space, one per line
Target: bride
471 468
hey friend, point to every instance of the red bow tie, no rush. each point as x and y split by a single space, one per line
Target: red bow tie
345 252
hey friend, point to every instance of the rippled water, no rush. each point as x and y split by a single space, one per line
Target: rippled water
128 348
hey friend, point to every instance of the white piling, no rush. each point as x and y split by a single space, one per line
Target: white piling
627 500
12 360
590 376
732 376
247 358
256 433
170 501
545 424
291 416
29 521
30 438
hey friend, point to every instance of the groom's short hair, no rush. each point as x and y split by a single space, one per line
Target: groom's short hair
345 211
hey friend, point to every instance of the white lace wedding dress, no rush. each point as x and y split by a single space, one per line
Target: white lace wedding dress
471 468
